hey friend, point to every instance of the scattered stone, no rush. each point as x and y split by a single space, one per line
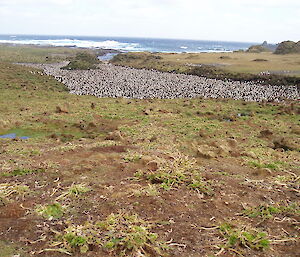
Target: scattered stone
153 138
264 172
285 143
265 133
147 112
249 154
3 124
146 159
204 152
232 142
61 109
91 125
202 133
115 136
152 165
235 153
296 130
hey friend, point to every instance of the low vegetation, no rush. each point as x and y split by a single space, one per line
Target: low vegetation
122 234
239 66
145 177
245 237
82 61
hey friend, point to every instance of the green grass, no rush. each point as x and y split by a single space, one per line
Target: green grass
269 211
245 237
239 66
71 150
8 249
121 234
82 61
22 172
51 211
33 54
178 170
74 191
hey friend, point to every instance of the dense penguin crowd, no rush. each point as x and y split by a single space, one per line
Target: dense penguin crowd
115 81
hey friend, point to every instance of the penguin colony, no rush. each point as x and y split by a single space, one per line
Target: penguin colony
115 81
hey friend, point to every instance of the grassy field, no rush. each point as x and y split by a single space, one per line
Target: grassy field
33 54
277 69
241 62
121 177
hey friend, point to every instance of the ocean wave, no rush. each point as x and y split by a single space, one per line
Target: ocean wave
107 44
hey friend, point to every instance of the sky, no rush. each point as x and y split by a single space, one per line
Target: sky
227 20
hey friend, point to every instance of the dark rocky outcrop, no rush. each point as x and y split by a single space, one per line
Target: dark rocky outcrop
264 47
288 47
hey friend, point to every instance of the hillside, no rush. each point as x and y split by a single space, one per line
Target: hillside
87 176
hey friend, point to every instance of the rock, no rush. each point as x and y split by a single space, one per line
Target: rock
115 136
248 154
152 165
62 109
232 142
296 130
285 143
235 153
146 159
153 138
204 152
147 112
91 125
223 150
265 133
288 47
3 124
202 133
264 172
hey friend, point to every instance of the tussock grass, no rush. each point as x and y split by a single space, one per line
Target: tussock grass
243 236
178 170
122 234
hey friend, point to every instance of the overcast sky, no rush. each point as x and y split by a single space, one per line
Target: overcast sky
229 20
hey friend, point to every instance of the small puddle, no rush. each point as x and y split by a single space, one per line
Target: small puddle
107 57
13 136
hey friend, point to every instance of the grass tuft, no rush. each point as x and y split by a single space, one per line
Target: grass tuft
249 238
176 171
51 211
121 234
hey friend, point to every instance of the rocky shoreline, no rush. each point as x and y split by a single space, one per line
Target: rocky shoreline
116 81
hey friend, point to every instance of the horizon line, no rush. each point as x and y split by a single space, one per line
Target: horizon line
137 37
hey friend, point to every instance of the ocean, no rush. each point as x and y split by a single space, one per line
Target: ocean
128 43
